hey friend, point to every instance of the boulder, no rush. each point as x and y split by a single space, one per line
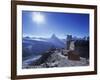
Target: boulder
73 55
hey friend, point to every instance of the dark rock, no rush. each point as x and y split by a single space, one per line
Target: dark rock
73 55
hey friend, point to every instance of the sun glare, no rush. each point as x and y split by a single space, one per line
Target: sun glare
38 17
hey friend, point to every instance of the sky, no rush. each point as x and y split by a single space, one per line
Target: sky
45 24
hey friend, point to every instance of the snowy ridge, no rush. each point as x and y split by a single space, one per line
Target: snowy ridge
56 59
31 60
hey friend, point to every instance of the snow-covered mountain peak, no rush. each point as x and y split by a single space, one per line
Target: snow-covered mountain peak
54 36
58 43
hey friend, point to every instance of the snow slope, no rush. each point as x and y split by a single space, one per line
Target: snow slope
56 59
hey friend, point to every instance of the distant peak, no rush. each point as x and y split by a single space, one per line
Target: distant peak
53 36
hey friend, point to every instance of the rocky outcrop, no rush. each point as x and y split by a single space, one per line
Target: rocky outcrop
82 47
79 46
73 55
57 59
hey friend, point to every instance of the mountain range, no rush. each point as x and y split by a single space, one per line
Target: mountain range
32 46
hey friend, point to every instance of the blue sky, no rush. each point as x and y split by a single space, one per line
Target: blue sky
60 24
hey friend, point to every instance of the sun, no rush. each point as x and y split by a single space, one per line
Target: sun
38 17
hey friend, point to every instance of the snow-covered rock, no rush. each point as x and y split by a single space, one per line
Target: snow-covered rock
55 59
